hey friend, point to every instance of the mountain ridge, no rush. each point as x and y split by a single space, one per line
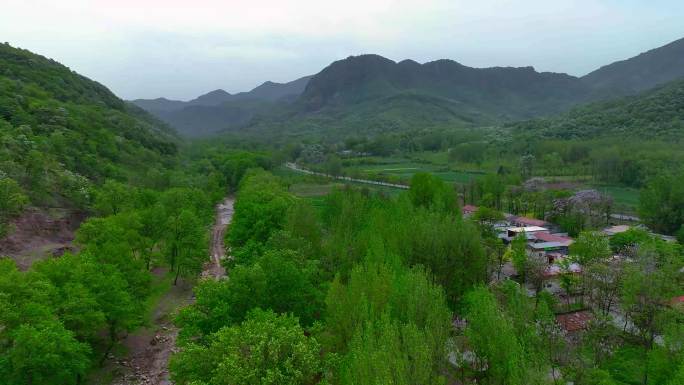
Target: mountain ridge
646 70
475 95
218 110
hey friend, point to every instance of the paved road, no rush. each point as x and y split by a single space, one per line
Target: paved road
295 167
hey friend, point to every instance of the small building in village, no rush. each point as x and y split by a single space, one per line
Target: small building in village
574 323
528 222
513 232
468 210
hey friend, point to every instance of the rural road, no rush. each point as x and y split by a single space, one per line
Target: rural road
295 167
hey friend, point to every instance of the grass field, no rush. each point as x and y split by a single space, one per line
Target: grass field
404 169
400 170
625 198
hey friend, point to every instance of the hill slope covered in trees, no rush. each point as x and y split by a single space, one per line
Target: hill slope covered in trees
644 71
657 113
61 132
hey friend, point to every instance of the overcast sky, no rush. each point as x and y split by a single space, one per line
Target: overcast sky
183 48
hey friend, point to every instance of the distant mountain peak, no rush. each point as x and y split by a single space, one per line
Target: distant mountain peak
214 97
218 109
217 92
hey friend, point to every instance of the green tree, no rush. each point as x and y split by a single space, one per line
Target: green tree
648 285
333 165
264 349
432 193
76 304
260 210
626 241
275 281
44 354
519 255
12 200
589 247
189 242
385 351
112 198
449 247
661 203
493 339
408 296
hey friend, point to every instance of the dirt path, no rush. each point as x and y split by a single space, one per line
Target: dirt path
224 214
149 349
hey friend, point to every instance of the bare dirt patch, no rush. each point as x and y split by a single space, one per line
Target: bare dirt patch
148 349
40 233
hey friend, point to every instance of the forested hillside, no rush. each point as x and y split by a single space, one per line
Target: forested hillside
61 133
655 114
647 70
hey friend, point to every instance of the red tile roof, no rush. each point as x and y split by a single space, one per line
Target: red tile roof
530 221
469 209
575 321
546 237
678 300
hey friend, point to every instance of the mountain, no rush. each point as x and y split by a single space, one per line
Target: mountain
201 120
212 98
653 114
276 91
647 70
60 132
345 93
501 92
369 93
219 110
159 104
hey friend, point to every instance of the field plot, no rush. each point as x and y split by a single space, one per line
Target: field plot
625 198
403 170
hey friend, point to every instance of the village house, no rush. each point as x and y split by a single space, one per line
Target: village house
549 246
528 222
468 210
574 323
529 231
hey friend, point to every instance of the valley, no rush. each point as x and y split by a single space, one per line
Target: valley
377 222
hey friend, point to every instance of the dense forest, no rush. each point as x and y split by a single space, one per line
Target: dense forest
61 134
